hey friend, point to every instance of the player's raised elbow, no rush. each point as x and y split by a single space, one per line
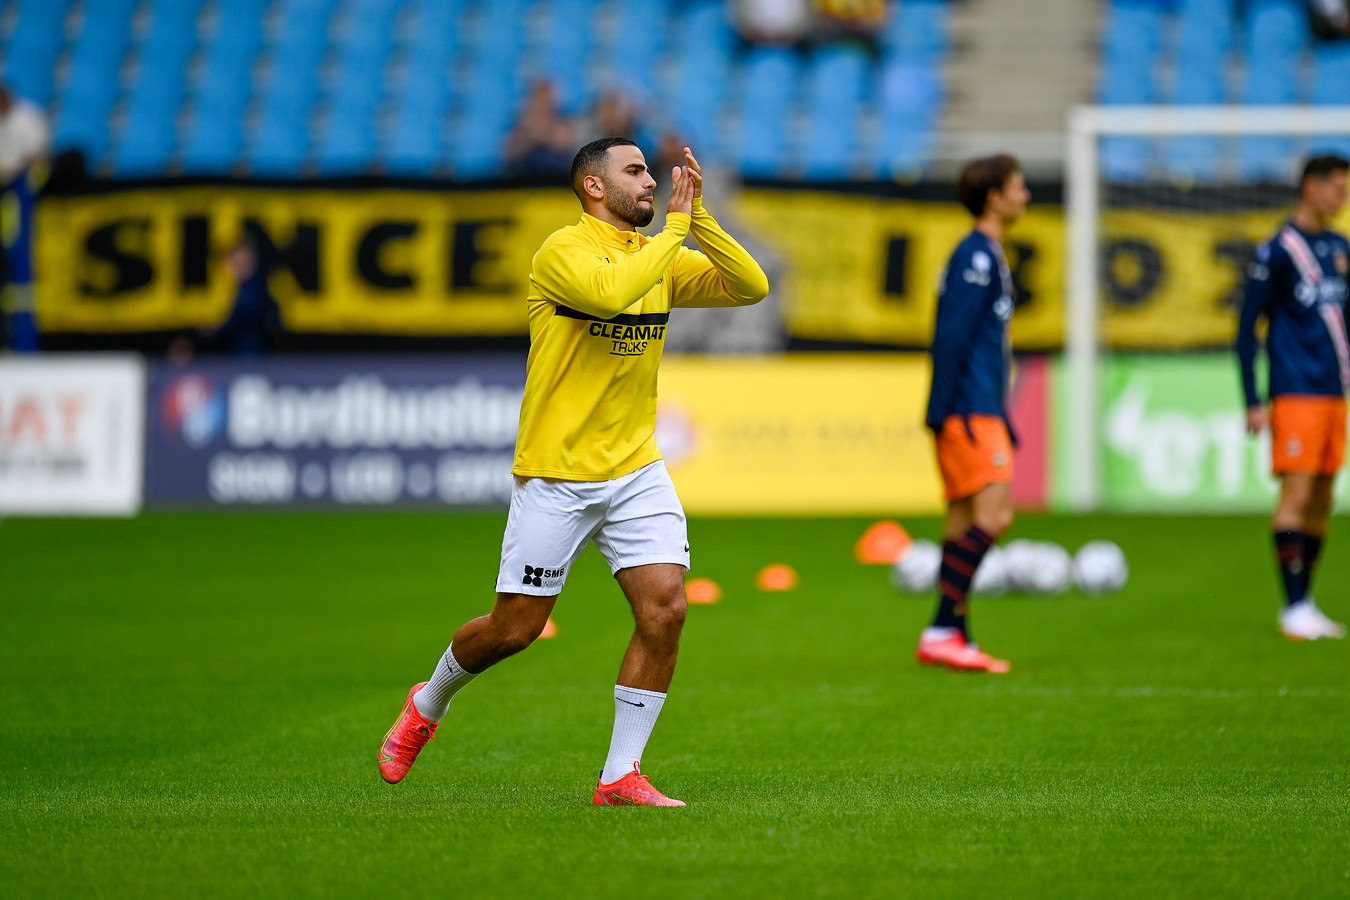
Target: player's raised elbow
753 287
609 305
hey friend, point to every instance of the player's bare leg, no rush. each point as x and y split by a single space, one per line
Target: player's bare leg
974 523
514 623
1300 525
990 508
656 594
1291 510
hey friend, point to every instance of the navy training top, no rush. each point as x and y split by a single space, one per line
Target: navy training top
970 350
1297 281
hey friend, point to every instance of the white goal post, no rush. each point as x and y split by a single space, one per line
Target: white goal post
1087 126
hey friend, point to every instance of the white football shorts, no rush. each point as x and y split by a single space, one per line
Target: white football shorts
635 520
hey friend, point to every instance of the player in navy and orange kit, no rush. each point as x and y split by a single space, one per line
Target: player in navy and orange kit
1298 283
967 407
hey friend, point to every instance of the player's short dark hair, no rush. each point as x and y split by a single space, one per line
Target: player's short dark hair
1322 166
590 159
981 176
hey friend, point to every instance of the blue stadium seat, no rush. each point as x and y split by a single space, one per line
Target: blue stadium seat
489 94
835 90
420 93
148 138
628 53
911 97
917 30
173 35
1204 42
694 96
346 141
564 52
215 141
279 147
770 75
34 46
93 85
1331 86
1277 33
1129 61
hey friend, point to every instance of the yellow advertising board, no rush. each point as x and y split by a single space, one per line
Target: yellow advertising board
816 434
430 263
867 268
361 261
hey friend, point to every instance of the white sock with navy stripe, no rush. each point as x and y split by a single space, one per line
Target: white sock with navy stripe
635 712
434 699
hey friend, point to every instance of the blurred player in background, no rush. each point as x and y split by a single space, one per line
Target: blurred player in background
586 466
25 142
967 407
1298 283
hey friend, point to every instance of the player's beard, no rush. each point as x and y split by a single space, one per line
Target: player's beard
628 208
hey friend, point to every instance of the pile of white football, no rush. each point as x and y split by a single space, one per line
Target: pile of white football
1021 566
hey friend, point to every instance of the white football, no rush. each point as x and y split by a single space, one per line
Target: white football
1100 568
916 570
991 577
1051 571
1021 556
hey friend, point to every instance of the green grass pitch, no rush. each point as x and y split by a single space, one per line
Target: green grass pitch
190 704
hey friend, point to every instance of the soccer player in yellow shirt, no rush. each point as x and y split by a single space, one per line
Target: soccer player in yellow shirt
587 467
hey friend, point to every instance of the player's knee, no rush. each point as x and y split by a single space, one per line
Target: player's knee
517 636
995 522
516 629
664 616
1293 505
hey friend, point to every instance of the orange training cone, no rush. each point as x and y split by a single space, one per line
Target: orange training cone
550 629
777 577
702 591
882 544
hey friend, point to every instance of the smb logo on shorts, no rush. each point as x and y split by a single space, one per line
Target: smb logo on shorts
535 575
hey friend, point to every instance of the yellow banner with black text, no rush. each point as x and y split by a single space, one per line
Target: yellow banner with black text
402 262
426 263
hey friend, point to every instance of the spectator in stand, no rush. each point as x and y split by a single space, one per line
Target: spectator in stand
615 115
860 21
542 142
25 142
1330 18
254 320
783 22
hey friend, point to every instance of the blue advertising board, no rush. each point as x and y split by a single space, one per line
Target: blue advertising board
339 431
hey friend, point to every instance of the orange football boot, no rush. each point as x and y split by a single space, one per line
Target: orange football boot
954 653
405 740
632 789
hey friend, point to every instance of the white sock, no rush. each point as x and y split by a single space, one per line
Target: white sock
434 699
933 633
635 712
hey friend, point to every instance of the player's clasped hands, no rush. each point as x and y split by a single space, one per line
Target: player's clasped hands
686 184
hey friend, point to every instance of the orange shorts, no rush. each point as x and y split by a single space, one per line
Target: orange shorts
968 465
1307 434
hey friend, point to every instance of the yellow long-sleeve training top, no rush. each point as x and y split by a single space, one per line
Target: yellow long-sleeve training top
599 301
